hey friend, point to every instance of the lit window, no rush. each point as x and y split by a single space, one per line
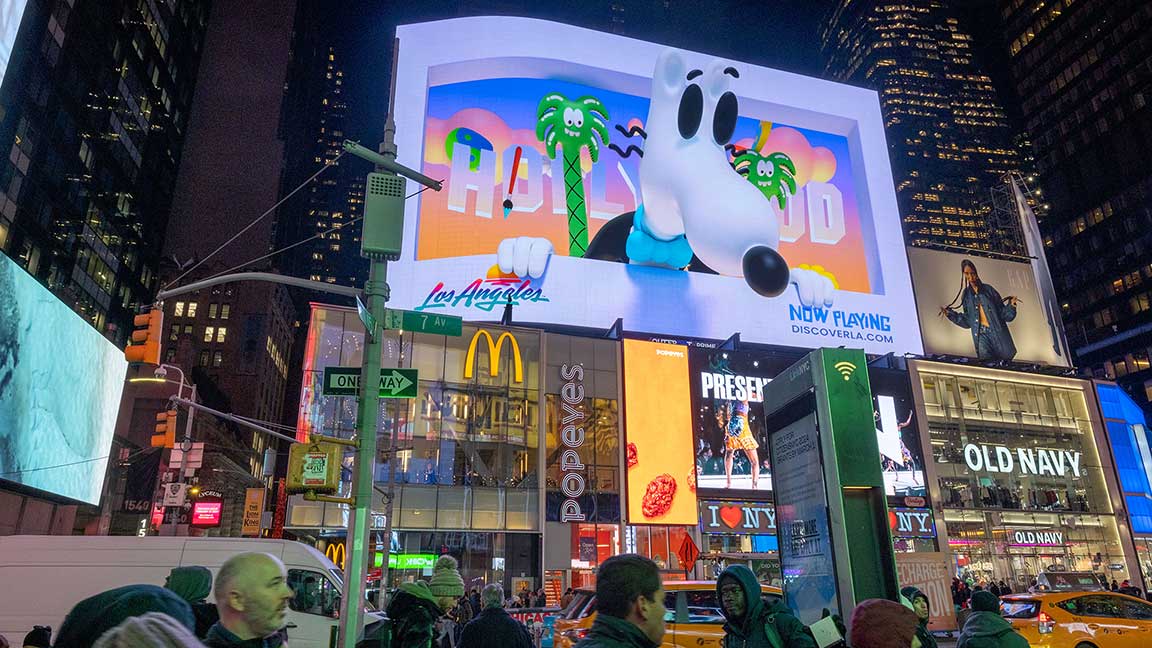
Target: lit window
191 309
203 358
187 329
224 308
209 332
179 309
220 333
174 332
217 359
212 311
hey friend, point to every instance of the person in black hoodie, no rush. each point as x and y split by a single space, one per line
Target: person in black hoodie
751 623
494 627
921 607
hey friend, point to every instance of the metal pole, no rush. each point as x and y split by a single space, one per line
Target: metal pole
367 423
388 152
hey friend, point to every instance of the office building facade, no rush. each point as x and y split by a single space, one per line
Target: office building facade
948 135
1081 71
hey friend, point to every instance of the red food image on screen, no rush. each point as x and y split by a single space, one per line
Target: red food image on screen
658 496
632 460
692 480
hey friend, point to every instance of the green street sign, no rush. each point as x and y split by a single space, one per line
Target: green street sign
403 320
366 318
394 383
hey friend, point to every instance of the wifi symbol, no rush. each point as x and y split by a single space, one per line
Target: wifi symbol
846 369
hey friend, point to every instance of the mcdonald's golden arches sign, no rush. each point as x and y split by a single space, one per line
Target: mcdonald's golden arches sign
494 348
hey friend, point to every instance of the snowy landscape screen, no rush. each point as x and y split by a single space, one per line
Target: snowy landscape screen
60 386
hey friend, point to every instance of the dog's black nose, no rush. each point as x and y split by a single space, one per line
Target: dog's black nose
765 271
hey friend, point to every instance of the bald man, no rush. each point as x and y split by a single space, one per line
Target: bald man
252 596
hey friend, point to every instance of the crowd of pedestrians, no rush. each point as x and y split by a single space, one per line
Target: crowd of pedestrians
252 600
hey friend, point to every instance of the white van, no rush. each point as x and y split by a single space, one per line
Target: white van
42 577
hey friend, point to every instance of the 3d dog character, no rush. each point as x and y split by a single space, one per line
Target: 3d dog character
695 211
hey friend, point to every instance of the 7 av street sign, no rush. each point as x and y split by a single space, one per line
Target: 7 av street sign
403 320
394 383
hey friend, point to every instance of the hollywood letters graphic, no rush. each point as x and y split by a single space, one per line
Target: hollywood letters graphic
688 195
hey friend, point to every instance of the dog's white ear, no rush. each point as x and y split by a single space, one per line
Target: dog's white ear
669 74
716 81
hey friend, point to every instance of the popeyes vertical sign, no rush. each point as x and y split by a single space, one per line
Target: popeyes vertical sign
572 481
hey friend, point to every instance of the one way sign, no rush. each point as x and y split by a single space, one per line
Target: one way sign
394 382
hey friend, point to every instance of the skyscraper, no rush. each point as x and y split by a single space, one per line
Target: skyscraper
325 214
949 137
94 107
1081 71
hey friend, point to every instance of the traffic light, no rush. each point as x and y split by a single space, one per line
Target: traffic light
146 335
165 436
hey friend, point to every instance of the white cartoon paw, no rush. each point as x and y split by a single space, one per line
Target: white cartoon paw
524 256
815 289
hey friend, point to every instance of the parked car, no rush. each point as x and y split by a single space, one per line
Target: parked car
693 615
1080 619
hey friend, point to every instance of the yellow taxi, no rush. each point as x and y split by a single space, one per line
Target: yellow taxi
1080 619
693 615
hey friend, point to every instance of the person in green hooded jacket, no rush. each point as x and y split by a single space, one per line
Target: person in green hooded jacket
629 604
414 612
920 606
985 628
751 623
193 584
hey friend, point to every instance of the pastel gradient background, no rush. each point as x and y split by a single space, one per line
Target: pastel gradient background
503 112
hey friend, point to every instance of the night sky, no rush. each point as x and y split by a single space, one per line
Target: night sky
781 35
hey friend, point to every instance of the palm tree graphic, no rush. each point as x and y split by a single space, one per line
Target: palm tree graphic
572 125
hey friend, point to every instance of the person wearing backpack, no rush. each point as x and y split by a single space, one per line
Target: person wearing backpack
752 623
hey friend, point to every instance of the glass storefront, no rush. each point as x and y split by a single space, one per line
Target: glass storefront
467 467
1021 483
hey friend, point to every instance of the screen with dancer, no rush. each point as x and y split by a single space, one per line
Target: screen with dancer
901 457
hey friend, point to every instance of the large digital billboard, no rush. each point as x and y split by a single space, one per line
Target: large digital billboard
60 385
661 477
590 177
897 435
984 308
731 442
727 403
11 13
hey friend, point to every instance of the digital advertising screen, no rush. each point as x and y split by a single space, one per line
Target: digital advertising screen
589 177
897 435
983 308
60 386
658 432
727 403
11 13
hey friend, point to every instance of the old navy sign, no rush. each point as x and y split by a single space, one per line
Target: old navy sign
1037 538
1028 461
912 522
745 517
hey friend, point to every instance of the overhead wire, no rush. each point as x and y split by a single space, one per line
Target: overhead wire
299 243
327 164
